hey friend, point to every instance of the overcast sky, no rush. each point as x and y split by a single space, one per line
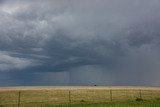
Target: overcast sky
79 42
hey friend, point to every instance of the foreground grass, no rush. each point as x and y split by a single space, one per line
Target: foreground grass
153 103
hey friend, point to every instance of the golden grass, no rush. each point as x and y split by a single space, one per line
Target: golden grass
60 94
77 87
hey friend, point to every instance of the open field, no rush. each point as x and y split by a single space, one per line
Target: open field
38 96
77 88
152 103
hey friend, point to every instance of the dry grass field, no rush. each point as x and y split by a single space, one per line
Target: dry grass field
39 95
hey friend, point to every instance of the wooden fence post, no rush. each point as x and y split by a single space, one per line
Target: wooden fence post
140 94
69 96
110 95
19 98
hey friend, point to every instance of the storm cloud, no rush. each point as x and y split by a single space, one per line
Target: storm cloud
82 42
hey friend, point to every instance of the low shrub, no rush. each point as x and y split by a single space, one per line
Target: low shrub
82 101
139 99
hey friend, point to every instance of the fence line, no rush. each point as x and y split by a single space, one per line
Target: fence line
21 98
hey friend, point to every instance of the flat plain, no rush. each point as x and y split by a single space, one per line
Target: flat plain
37 96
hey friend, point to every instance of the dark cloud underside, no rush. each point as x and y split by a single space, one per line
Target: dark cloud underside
86 42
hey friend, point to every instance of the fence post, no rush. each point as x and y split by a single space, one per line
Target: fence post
69 96
19 98
126 94
140 94
110 95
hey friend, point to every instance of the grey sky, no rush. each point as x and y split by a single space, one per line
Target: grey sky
79 42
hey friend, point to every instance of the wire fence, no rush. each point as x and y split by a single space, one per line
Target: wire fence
39 98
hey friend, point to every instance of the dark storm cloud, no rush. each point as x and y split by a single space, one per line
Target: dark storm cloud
80 42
